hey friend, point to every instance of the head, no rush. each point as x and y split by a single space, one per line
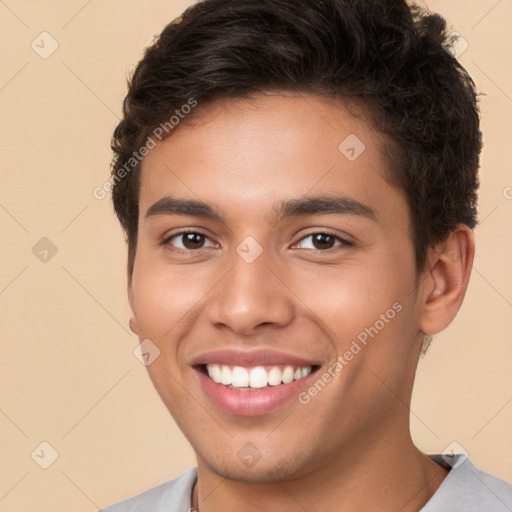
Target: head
256 113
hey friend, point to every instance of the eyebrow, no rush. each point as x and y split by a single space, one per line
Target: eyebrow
313 205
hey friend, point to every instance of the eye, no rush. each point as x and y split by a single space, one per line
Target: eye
193 240
322 241
188 241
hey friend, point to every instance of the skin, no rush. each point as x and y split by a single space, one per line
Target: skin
349 448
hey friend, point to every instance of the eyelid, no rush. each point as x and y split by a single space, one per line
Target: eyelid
343 241
327 232
167 239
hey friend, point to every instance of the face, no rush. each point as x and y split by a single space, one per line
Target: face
296 253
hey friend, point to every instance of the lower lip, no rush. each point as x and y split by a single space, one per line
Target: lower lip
251 402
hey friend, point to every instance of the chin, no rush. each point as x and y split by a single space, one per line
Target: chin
268 469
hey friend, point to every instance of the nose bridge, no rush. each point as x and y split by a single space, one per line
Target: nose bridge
251 294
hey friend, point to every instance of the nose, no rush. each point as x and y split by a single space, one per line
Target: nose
251 295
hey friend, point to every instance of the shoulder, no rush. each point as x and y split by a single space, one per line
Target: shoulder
172 495
468 489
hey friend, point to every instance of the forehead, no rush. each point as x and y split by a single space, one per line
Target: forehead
255 153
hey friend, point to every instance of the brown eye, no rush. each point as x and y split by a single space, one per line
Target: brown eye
321 241
188 240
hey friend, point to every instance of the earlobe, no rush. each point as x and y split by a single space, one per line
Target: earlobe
133 320
448 272
133 325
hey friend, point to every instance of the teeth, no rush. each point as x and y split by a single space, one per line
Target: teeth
239 377
257 377
274 376
288 374
215 372
225 376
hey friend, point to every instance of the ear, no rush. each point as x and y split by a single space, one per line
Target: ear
446 280
133 320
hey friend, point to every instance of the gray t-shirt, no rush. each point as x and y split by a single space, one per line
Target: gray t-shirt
465 489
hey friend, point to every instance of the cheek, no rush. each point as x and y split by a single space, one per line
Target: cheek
351 296
367 309
165 294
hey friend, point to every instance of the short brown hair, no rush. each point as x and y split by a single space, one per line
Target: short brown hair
385 52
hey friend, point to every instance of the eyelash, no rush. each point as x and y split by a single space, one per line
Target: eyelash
343 242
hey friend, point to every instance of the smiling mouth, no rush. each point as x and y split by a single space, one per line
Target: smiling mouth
255 377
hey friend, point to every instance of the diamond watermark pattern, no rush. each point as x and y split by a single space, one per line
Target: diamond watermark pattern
249 249
44 455
352 147
455 44
146 352
44 45
44 250
249 455
450 452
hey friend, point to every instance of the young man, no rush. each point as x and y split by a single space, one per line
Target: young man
297 181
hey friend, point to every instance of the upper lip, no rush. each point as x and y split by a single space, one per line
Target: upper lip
259 357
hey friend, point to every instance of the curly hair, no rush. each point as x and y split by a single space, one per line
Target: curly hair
386 53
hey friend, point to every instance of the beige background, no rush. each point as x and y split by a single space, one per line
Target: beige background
68 374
